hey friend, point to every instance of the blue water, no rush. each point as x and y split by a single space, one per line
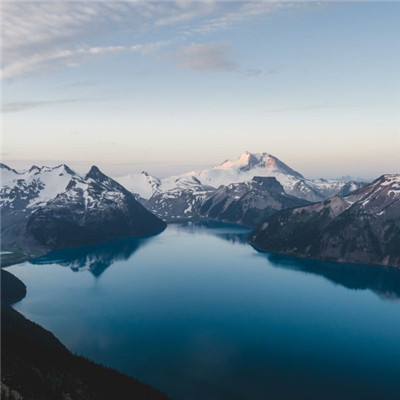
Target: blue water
200 314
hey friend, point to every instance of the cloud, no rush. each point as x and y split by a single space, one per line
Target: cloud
206 57
27 24
46 36
27 105
241 12
187 11
42 61
254 72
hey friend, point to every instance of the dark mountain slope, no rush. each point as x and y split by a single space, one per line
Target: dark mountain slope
46 208
362 227
249 203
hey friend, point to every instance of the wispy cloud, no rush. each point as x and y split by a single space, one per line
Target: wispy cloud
241 11
187 11
27 105
262 71
47 36
207 56
41 62
40 37
27 24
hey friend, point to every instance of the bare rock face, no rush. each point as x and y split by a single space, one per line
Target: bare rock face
181 202
362 227
249 203
245 203
51 208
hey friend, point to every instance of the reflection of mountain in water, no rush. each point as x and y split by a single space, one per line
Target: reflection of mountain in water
241 238
385 282
95 258
230 232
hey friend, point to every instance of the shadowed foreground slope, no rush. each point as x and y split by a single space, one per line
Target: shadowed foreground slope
38 366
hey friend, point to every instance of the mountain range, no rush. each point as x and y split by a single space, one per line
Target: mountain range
184 196
46 208
247 166
248 203
362 227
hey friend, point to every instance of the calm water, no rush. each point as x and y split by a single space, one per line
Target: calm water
200 314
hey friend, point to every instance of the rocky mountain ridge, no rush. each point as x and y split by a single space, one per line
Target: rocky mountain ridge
362 227
187 196
247 166
46 208
249 203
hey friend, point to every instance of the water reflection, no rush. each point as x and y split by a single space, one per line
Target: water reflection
94 258
384 281
232 233
201 318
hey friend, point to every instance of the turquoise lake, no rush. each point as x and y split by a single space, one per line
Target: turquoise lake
200 314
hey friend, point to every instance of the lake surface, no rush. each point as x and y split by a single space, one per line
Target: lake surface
198 313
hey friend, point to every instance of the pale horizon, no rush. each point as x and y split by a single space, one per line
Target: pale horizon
166 169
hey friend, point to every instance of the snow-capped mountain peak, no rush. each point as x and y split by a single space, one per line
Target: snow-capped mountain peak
246 160
142 184
56 207
34 187
385 189
244 169
260 161
7 174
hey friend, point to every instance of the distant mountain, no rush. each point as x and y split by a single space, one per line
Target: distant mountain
143 184
182 200
249 203
245 168
349 178
57 208
361 227
182 197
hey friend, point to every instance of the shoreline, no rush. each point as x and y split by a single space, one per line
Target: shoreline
339 262
35 364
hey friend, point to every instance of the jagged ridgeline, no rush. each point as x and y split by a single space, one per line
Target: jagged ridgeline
46 208
228 191
362 227
249 203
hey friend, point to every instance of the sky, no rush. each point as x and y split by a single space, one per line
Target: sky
169 87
